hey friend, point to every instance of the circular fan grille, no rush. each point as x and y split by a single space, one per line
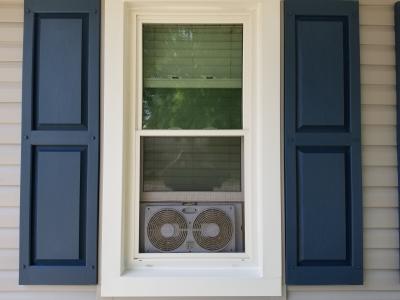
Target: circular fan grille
212 229
167 230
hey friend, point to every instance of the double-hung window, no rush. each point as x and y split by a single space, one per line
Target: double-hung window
191 138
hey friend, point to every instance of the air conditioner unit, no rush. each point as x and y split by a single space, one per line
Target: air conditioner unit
196 228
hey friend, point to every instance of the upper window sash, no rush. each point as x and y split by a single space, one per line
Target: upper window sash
234 81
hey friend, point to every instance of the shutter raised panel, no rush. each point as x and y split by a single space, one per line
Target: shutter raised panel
60 142
322 143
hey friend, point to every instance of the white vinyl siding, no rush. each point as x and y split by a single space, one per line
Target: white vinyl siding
382 276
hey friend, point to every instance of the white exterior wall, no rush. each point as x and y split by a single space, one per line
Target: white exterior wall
381 253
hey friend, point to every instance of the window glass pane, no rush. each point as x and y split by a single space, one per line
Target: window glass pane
192 76
192 164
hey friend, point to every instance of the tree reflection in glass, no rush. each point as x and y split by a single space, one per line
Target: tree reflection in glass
192 76
192 108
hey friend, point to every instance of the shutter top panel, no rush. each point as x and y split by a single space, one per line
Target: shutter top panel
62 6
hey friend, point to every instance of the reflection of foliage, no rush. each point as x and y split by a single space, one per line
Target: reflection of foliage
189 108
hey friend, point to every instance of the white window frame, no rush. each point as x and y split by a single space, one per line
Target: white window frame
203 259
258 271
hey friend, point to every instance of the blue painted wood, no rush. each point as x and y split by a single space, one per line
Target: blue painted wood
61 103
397 39
323 186
63 240
312 113
322 213
60 142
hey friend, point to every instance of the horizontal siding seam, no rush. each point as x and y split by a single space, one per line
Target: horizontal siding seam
378 85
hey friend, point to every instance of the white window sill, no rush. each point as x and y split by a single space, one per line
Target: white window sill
193 283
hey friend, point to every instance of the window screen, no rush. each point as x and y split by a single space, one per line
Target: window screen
192 76
192 164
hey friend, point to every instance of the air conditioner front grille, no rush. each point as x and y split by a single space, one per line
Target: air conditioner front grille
213 229
194 228
167 230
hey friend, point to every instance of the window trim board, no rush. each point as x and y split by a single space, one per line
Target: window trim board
265 279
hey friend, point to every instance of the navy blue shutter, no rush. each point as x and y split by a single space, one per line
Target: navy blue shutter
60 142
323 186
397 37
